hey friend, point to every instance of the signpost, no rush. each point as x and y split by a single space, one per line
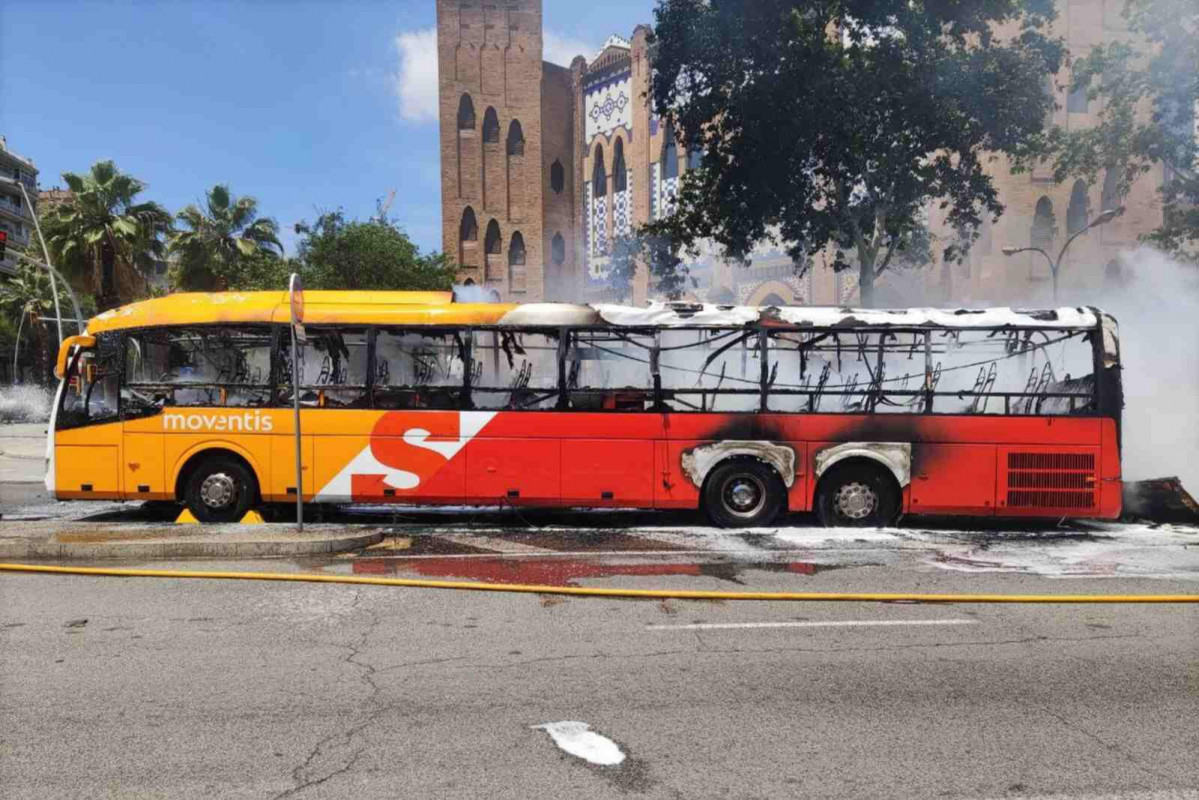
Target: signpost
296 292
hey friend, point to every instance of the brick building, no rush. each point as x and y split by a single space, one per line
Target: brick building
542 166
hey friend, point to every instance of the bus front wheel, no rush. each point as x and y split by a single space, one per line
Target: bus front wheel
743 493
857 495
220 489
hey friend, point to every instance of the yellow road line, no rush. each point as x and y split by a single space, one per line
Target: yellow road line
581 591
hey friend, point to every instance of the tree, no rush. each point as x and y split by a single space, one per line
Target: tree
1149 86
27 296
212 252
377 254
839 122
100 234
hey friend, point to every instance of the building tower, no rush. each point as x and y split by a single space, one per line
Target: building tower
507 175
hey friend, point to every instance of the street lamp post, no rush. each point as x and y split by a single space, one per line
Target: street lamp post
1055 266
46 252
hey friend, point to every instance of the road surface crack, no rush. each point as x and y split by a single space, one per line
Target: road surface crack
315 768
1104 743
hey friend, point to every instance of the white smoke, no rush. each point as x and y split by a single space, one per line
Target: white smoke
1157 306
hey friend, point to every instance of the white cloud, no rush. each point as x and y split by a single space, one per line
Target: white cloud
561 50
416 80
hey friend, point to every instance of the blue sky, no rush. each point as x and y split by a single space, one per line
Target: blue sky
307 106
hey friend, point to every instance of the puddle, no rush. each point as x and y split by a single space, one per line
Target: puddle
553 571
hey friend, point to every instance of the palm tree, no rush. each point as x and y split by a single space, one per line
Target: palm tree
218 238
27 297
99 233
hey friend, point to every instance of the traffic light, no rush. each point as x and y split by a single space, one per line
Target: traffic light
3 243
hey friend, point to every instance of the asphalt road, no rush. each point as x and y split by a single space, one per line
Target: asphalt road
157 688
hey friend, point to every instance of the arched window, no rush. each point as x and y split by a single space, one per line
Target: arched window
493 243
695 159
516 139
1111 190
1076 212
557 177
983 245
1076 101
1042 231
620 178
516 249
670 154
466 114
558 249
1112 277
772 299
491 126
599 178
723 296
1051 92
468 231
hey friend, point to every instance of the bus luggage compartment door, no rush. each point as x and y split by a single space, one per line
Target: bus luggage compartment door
608 472
514 471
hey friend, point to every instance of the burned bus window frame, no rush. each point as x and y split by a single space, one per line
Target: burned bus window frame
108 351
581 345
679 399
920 391
441 396
163 393
503 339
322 395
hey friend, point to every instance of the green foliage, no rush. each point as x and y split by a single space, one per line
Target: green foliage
336 254
839 122
102 236
223 244
1154 70
28 295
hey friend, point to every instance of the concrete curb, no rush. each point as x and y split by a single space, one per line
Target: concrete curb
191 547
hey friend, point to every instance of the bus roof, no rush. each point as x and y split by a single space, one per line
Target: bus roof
438 308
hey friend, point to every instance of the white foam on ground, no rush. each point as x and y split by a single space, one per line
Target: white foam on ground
577 739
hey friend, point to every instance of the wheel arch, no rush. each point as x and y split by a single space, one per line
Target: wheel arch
894 457
697 463
194 456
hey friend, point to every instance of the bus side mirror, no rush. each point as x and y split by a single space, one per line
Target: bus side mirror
64 352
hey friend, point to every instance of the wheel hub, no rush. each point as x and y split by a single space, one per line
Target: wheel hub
218 490
856 500
744 495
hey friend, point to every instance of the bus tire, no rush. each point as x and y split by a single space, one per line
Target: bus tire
220 489
743 493
857 494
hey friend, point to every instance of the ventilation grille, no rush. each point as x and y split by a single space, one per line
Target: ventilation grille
1051 480
1085 461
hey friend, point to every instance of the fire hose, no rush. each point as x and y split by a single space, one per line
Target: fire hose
588 591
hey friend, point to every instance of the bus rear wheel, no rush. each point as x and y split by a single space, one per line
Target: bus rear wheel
857 496
741 494
220 489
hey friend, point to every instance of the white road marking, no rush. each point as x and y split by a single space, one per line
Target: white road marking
848 623
580 741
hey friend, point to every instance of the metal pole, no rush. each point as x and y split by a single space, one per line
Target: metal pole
16 349
46 252
295 396
79 320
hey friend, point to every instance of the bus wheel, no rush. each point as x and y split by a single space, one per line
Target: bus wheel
857 496
220 489
743 493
